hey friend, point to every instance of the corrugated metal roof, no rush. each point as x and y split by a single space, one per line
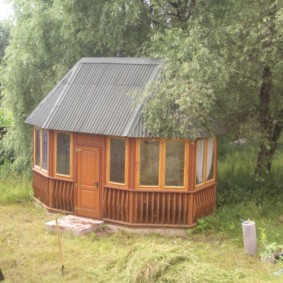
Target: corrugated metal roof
95 97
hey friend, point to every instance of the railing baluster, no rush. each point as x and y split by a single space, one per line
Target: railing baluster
158 208
147 207
163 208
152 208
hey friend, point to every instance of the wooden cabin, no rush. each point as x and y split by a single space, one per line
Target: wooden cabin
93 156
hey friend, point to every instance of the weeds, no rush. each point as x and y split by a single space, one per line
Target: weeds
236 181
30 254
17 189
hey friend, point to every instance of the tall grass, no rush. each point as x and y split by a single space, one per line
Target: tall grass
14 188
30 254
212 252
236 180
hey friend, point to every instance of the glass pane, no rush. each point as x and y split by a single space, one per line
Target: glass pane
63 154
44 148
117 160
175 161
210 159
199 161
149 163
37 147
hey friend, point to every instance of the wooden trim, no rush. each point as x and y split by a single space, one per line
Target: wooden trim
35 152
52 178
40 171
162 166
52 209
163 191
191 165
215 157
157 226
63 176
137 168
186 166
212 180
35 166
126 172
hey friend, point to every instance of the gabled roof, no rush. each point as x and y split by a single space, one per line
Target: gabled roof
96 97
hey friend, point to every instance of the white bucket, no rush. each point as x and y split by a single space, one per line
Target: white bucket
249 237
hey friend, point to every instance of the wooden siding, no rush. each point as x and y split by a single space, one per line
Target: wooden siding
157 208
55 194
40 188
204 201
132 207
143 207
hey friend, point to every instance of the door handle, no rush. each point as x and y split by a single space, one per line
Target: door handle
96 184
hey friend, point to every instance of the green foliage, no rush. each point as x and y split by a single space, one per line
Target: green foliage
5 27
213 256
48 38
237 182
13 188
223 67
227 222
184 97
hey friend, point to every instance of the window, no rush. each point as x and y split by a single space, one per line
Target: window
174 163
63 154
37 147
149 163
205 157
44 149
162 164
41 149
117 160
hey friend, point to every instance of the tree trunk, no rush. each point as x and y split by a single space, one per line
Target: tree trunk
270 128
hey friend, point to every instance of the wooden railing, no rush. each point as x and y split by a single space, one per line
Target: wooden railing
61 194
55 194
157 208
132 207
40 188
204 202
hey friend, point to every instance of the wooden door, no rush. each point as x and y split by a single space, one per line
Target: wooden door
89 183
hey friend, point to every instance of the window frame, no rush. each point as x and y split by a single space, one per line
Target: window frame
35 166
137 169
204 167
110 183
186 161
63 176
162 166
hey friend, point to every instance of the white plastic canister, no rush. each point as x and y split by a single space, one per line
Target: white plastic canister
249 237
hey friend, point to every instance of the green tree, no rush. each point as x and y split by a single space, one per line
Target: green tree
224 66
5 27
48 38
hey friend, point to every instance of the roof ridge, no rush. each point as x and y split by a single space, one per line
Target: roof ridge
122 60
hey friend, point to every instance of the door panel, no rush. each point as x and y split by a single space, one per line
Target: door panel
88 190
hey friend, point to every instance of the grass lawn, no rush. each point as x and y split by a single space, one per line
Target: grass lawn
28 253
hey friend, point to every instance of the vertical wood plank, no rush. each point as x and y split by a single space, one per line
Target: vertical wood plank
130 208
152 208
158 208
169 208
174 209
163 208
147 207
180 208
141 208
